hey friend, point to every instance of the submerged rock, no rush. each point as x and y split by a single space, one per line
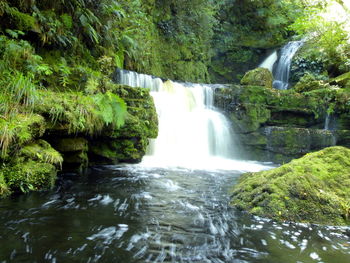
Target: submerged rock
258 77
314 189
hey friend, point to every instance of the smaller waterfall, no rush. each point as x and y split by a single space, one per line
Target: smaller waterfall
330 126
282 69
326 122
270 61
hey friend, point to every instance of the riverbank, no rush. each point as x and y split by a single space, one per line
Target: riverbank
68 131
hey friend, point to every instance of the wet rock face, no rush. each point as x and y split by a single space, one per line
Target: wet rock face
314 188
278 125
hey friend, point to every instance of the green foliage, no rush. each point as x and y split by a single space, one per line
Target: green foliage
18 129
64 73
22 71
112 108
17 19
41 151
308 62
29 175
82 114
67 21
21 90
327 37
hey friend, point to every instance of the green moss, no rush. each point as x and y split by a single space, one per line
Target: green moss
28 175
130 150
297 141
42 151
143 119
127 144
309 83
258 77
314 188
71 144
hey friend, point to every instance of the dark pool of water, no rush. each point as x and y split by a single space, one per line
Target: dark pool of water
135 214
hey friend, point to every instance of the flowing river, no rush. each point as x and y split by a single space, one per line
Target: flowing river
173 207
144 214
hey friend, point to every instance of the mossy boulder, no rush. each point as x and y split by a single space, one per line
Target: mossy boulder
314 189
33 168
258 77
129 150
75 162
74 152
29 175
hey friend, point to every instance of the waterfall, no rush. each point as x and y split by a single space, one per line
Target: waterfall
282 69
269 61
326 122
190 129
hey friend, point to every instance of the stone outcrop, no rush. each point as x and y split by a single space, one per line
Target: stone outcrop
279 125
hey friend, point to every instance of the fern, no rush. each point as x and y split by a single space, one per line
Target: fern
64 72
21 90
119 59
112 108
14 33
88 20
43 152
16 129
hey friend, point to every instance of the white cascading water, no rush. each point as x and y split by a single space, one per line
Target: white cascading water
191 132
282 69
270 61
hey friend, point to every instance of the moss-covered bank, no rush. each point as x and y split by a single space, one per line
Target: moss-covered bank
69 130
314 188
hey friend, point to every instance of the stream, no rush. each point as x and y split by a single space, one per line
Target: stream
140 213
